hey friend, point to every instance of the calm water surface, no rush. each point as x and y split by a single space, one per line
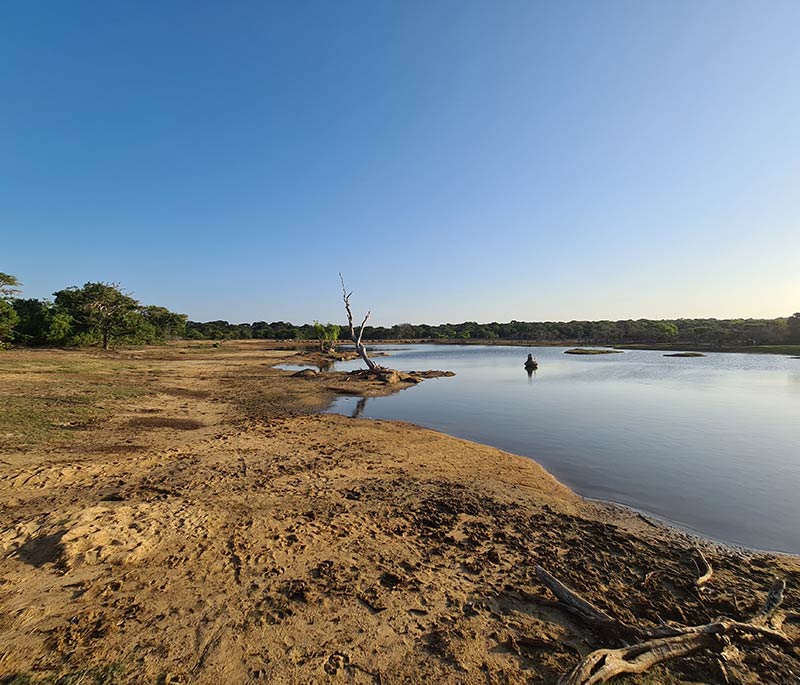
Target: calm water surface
710 443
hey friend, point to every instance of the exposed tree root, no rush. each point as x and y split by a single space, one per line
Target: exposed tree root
655 645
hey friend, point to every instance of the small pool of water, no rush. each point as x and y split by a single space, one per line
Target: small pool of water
295 367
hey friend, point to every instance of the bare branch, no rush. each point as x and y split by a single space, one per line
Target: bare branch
346 297
603 664
585 610
705 567
361 328
745 631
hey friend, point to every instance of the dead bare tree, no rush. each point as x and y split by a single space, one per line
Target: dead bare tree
646 647
362 351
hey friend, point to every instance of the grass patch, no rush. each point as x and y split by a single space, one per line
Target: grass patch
48 399
587 350
29 420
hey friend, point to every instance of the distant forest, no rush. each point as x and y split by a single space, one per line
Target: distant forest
102 314
733 332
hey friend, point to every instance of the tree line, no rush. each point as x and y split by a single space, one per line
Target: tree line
96 314
102 314
733 332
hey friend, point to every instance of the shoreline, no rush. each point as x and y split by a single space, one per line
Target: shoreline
683 530
204 523
677 526
670 526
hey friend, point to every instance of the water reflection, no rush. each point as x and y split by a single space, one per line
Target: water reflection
325 365
359 408
321 366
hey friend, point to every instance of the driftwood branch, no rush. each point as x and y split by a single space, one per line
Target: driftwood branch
585 610
603 664
705 568
665 642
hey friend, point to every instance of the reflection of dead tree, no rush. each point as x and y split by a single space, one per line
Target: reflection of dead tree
359 409
362 351
651 646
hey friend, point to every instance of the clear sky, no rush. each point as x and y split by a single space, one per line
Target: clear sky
456 160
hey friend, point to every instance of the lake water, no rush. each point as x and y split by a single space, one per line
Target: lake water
710 443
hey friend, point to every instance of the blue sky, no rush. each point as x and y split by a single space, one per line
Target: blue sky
455 160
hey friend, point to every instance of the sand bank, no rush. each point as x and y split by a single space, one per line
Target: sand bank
206 525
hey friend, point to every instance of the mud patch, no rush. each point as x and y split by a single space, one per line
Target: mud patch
115 449
165 422
186 392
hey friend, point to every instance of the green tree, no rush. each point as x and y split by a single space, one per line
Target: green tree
60 329
34 320
327 335
9 286
167 325
8 320
793 323
100 312
664 331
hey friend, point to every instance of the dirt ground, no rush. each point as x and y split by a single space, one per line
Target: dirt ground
185 514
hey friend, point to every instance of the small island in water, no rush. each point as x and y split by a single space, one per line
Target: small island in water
588 350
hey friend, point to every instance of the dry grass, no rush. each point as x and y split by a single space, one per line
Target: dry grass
46 398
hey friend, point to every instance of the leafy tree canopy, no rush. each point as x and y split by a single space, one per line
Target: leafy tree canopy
9 286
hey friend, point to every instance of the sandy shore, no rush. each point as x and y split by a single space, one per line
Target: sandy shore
195 520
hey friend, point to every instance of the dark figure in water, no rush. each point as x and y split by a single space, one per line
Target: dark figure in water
529 361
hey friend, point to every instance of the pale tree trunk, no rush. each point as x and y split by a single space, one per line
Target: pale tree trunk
362 351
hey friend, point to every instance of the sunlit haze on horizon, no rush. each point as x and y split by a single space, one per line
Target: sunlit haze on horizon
456 161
